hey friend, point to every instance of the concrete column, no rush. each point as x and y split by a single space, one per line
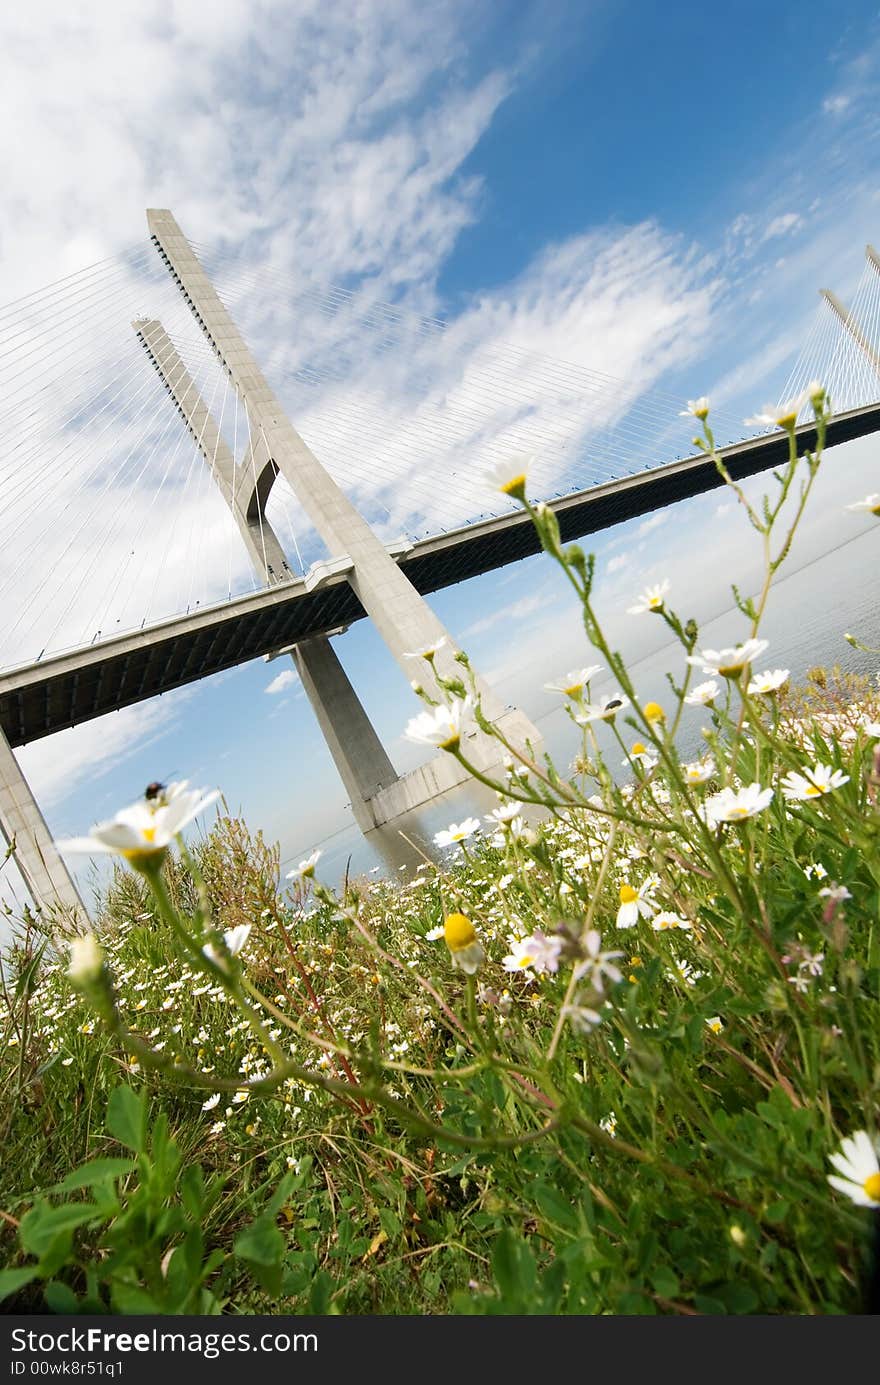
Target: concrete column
401 615
359 755
24 827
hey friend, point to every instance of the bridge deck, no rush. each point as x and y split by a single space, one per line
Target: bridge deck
42 698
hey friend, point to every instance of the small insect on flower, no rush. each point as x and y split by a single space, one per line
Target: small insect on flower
651 599
142 833
729 662
813 783
465 948
606 710
858 1170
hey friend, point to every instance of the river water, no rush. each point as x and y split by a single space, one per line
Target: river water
809 611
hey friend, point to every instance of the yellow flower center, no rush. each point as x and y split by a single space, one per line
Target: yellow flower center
871 1186
654 712
815 790
458 932
145 858
149 834
787 420
524 961
638 748
738 813
875 510
452 743
574 691
516 486
655 602
628 895
730 670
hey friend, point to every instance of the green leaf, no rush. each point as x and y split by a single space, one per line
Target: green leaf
128 1298
43 1223
261 1243
127 1118
665 1283
60 1298
95 1172
777 1212
10 1280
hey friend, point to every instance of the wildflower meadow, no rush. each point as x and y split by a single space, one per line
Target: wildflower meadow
618 1052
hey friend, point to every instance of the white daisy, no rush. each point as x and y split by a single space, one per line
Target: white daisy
735 805
605 710
870 505
537 952
598 965
651 599
441 726
857 1163
637 903
573 684
306 869
697 408
703 695
143 832
660 922
728 662
429 652
813 783
781 415
457 832
510 476
698 771
768 682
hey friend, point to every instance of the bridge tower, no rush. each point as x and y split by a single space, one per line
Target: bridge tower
848 321
402 616
47 878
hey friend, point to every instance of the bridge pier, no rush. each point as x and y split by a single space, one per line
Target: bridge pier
400 613
44 873
359 755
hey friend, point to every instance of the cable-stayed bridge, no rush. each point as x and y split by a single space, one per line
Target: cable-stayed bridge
164 518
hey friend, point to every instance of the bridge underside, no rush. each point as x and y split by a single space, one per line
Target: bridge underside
63 691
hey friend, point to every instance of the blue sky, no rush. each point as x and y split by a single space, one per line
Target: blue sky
512 165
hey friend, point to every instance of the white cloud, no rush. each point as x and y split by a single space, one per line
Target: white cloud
281 681
517 611
58 764
782 225
654 521
615 564
836 105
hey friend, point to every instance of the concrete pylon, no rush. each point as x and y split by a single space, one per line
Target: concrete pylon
357 751
44 873
401 615
851 325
